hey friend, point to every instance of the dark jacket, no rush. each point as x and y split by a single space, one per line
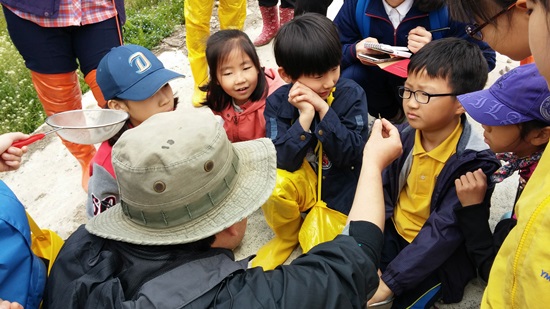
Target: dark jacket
382 29
50 8
92 272
343 133
481 245
439 246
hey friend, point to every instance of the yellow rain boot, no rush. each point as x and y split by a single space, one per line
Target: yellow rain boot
294 193
59 93
94 87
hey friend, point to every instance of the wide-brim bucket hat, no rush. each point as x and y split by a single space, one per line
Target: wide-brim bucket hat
181 180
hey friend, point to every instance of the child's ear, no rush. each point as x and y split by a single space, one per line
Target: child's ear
459 108
539 137
117 105
284 76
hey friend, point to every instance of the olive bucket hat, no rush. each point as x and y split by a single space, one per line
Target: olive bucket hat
181 180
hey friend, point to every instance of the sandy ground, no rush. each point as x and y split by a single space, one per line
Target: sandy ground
48 183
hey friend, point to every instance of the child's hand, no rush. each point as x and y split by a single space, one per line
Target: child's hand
384 144
382 294
418 37
360 49
4 304
10 157
471 188
302 97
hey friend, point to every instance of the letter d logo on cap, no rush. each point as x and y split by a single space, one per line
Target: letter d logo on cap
140 61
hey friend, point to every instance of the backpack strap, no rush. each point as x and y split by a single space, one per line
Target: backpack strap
363 21
439 19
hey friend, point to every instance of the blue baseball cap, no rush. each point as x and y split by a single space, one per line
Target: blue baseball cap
132 72
518 96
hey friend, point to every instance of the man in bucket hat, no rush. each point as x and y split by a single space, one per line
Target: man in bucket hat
185 194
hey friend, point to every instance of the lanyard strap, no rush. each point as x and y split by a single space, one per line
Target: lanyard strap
319 149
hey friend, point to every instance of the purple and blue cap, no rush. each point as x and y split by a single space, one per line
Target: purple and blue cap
518 96
132 72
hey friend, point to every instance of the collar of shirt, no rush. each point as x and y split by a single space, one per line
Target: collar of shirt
444 150
396 14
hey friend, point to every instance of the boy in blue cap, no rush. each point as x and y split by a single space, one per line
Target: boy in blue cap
515 114
134 80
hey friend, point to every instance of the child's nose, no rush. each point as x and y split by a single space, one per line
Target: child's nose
412 102
240 78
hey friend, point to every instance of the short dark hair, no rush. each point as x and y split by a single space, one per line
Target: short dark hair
218 47
429 5
526 127
458 61
307 45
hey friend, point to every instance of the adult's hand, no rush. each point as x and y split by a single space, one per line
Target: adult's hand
10 157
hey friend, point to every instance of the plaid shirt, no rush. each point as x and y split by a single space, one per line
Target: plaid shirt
74 13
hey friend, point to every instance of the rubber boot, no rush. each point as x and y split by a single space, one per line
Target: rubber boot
285 15
94 87
59 93
294 193
270 20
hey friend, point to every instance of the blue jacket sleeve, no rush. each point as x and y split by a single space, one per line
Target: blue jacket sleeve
288 136
349 32
344 129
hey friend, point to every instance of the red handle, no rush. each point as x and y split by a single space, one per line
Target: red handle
30 140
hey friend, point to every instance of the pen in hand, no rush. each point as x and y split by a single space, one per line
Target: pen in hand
435 30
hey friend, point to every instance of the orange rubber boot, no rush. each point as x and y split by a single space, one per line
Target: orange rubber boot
59 93
94 87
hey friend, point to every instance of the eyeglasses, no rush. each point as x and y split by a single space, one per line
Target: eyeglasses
421 97
474 30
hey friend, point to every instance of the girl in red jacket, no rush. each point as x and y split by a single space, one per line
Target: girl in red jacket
238 85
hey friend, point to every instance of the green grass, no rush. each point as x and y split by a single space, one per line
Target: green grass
148 22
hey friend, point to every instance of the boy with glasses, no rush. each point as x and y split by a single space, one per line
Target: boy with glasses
424 257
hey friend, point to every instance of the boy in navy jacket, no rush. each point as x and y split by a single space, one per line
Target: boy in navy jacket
424 257
316 108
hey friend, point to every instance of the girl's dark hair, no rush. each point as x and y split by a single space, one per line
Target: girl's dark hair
127 125
458 61
469 10
527 127
429 5
218 48
307 45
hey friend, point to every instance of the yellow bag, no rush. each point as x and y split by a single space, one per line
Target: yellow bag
45 243
321 223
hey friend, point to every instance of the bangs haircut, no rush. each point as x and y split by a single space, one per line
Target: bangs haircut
218 48
467 11
307 45
458 61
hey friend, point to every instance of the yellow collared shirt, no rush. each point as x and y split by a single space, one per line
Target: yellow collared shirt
413 206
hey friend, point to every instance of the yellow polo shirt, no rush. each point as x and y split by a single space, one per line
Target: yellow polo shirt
413 206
